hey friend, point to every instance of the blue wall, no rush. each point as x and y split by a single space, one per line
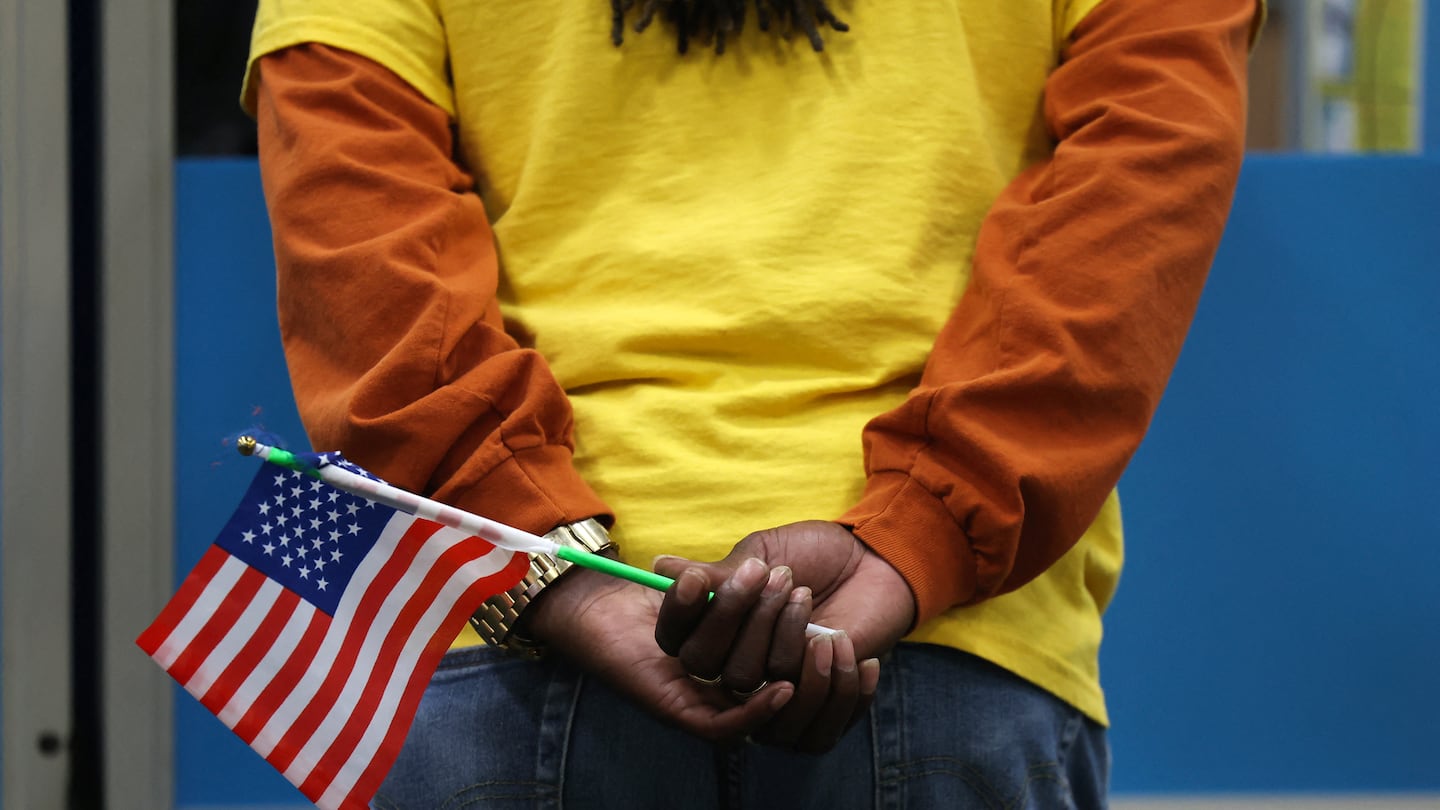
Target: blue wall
1278 628
230 376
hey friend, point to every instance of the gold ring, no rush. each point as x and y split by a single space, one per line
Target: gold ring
715 681
744 696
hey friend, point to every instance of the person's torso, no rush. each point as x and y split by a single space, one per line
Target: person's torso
732 262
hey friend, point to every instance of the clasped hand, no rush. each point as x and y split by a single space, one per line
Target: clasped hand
751 634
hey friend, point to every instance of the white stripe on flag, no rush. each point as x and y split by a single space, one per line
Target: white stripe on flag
199 613
275 658
356 680
382 718
335 634
239 633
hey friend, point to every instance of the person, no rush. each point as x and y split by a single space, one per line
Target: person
869 307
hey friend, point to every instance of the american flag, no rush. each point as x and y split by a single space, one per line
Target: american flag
314 622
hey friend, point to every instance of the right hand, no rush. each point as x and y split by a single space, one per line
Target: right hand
853 588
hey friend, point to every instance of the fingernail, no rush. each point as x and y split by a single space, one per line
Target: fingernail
662 559
780 698
869 676
689 587
779 578
845 663
749 574
799 595
824 655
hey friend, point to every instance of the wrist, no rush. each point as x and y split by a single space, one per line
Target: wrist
562 605
897 610
503 620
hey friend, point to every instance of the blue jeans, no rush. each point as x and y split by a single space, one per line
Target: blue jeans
946 730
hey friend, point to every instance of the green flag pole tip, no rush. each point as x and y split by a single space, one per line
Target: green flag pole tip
249 446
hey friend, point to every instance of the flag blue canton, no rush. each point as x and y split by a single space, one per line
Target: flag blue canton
303 533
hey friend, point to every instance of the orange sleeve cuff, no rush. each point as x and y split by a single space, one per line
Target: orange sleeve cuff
912 530
535 489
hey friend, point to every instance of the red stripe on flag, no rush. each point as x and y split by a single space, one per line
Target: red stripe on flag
374 774
226 614
367 610
183 600
252 653
284 681
401 629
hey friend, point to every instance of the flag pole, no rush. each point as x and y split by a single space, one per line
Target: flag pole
499 534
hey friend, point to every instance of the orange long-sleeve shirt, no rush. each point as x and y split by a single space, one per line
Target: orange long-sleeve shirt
1039 388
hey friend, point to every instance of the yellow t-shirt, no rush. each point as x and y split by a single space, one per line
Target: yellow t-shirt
733 262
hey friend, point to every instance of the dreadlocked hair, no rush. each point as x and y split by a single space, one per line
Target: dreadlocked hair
714 20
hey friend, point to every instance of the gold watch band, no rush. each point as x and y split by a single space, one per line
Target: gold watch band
495 620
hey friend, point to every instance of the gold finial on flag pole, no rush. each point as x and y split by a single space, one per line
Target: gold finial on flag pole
246 445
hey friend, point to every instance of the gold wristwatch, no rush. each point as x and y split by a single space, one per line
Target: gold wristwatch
495 620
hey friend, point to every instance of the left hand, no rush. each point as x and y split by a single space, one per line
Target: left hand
603 625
